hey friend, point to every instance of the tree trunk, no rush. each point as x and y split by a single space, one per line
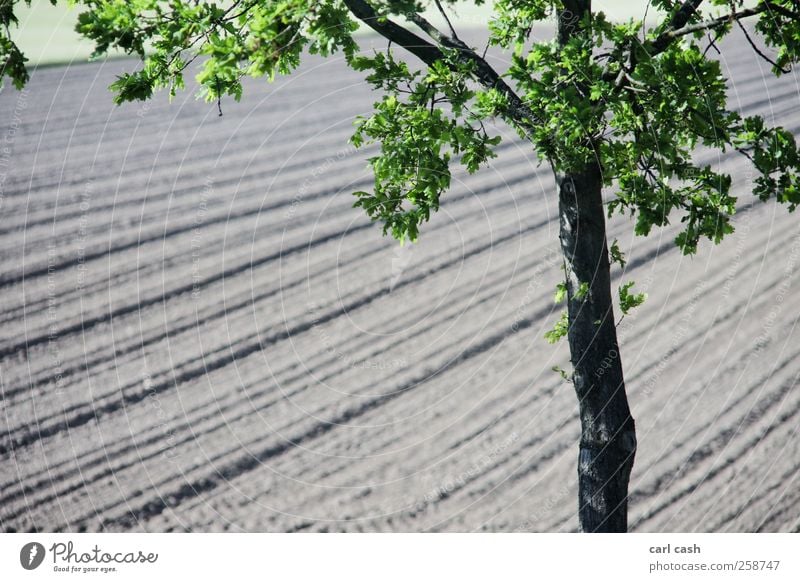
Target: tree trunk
608 436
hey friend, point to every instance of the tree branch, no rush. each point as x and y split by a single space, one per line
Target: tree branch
444 15
782 10
759 52
517 112
427 27
414 44
665 39
679 27
679 21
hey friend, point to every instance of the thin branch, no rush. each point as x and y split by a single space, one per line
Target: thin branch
665 39
759 52
644 19
679 21
712 43
444 14
219 96
745 153
416 45
782 10
517 112
683 15
425 25
679 27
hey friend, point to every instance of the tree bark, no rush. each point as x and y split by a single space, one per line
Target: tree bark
608 435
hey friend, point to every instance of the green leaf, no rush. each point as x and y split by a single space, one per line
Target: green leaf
628 300
567 377
616 255
561 292
559 329
583 290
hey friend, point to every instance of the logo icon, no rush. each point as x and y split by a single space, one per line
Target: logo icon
401 258
31 555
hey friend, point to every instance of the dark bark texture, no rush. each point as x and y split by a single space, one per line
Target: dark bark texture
608 441
608 435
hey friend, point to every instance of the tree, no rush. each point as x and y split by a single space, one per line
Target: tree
619 106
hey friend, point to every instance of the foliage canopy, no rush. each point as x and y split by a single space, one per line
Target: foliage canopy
637 99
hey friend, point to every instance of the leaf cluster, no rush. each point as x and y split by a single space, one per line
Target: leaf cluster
424 121
634 100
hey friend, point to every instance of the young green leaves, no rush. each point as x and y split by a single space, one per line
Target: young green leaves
635 100
231 40
12 59
559 330
422 123
628 300
616 255
775 155
561 327
671 103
